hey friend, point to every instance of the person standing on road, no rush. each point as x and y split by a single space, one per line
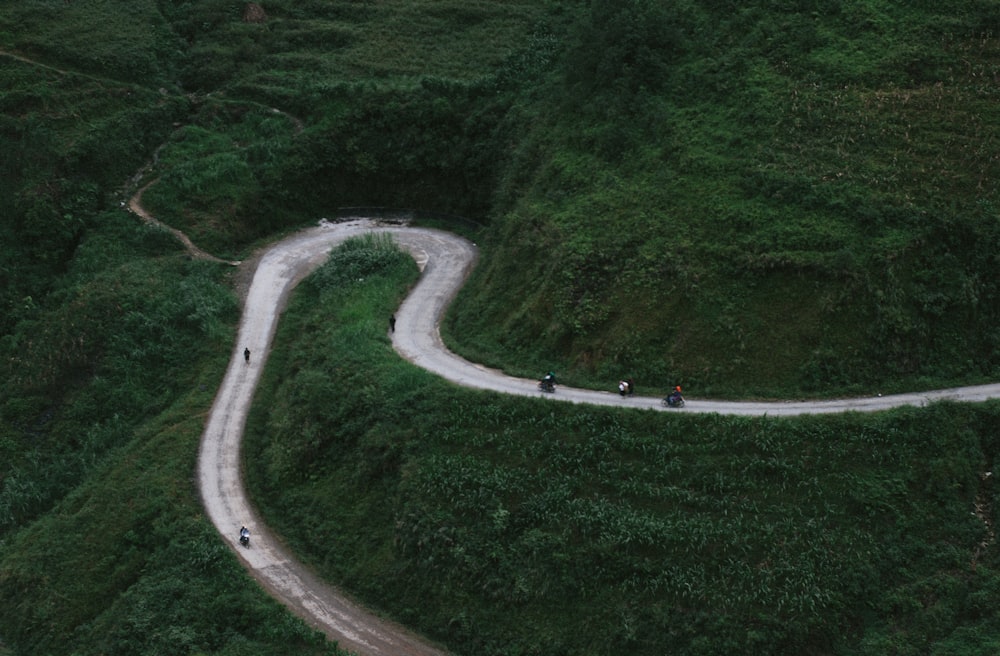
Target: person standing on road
246 355
392 323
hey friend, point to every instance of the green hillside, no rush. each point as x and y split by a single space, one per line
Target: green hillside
758 199
780 198
500 525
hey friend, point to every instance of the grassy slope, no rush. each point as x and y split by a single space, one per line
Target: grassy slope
104 546
107 329
800 159
111 341
126 562
763 217
379 112
507 526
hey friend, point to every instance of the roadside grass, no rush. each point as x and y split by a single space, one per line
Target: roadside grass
82 373
507 525
127 563
104 547
211 176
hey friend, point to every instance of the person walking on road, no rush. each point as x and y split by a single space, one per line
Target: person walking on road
392 323
246 355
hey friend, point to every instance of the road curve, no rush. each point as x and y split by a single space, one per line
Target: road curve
445 261
417 338
219 467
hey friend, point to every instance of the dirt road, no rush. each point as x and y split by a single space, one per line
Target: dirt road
219 471
445 261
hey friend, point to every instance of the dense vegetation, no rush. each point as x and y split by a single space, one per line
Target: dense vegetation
511 526
758 198
700 173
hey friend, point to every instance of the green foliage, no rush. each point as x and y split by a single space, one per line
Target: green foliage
624 47
105 384
125 564
356 259
79 377
214 173
757 198
68 141
434 147
762 214
303 46
473 516
98 36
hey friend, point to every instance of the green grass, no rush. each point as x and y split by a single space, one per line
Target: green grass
771 199
472 516
212 173
104 547
768 227
95 37
305 49
127 563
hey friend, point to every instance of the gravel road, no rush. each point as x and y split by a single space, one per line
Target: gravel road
445 261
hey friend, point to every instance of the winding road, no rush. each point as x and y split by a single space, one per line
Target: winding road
445 260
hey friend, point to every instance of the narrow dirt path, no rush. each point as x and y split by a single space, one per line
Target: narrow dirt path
135 206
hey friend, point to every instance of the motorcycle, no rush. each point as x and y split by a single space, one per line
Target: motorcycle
675 400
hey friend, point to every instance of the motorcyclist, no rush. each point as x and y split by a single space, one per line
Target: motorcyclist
548 383
675 396
244 536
